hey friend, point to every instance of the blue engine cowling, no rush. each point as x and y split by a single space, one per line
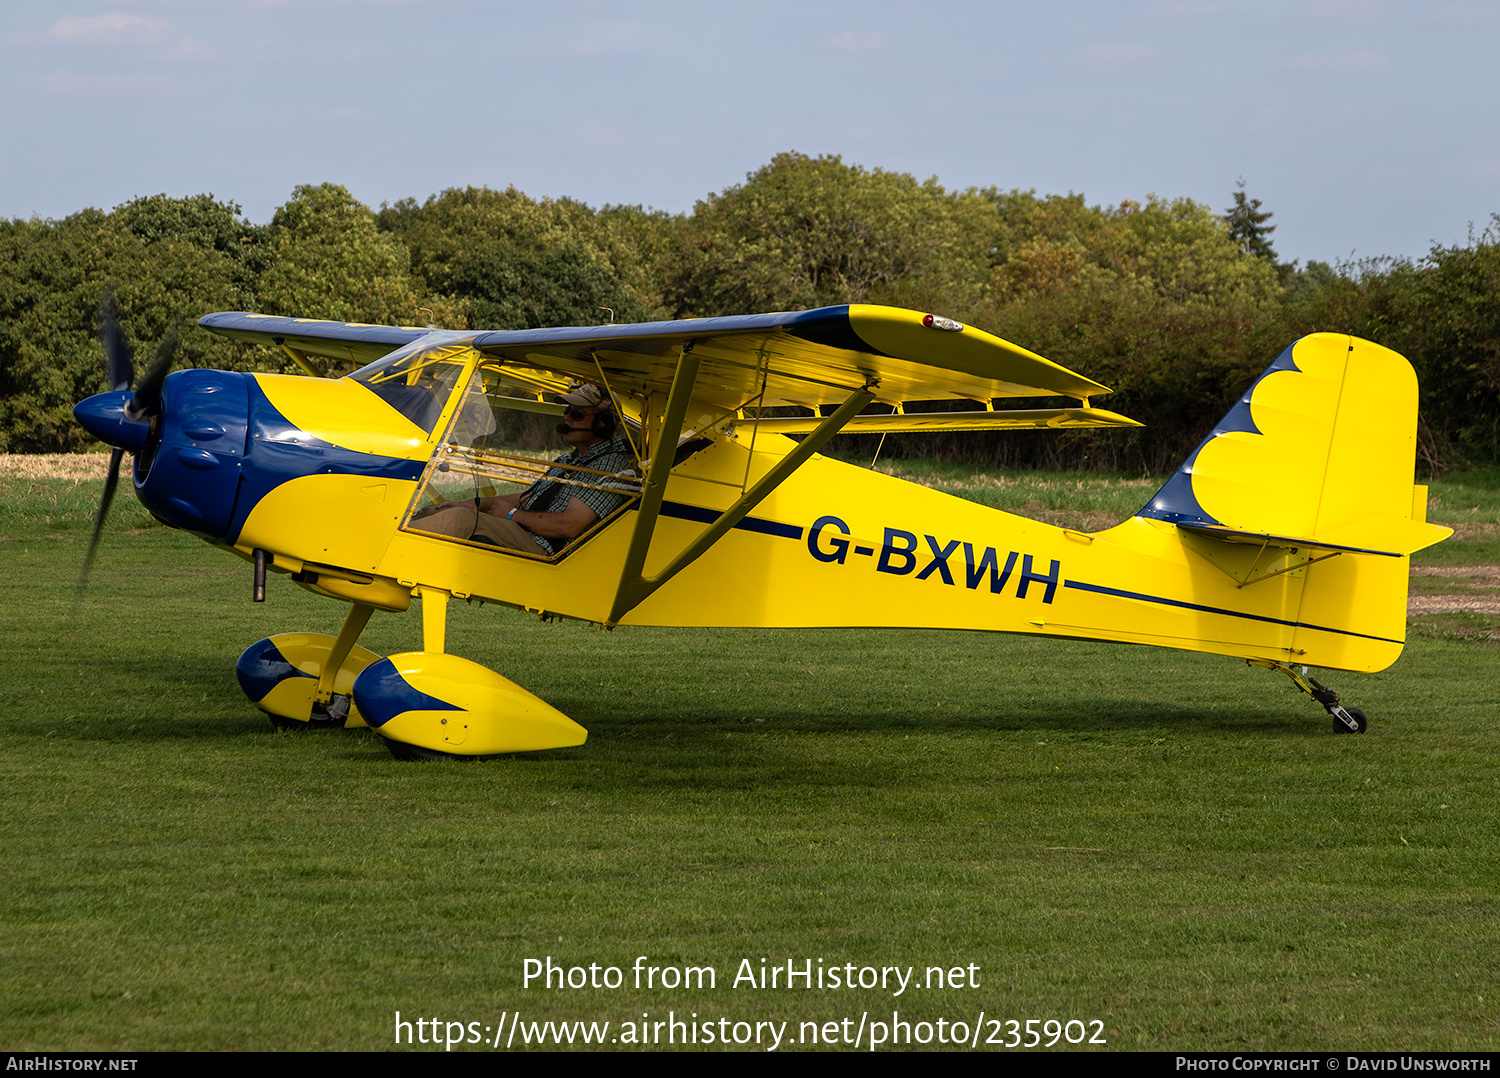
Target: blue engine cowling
188 472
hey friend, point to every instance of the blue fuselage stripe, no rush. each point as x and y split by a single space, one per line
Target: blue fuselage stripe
749 524
1100 589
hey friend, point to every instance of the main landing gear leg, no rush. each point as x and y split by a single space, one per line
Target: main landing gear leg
335 706
1346 720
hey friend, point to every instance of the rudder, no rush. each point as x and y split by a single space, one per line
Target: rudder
1318 457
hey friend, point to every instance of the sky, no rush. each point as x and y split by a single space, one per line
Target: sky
1368 127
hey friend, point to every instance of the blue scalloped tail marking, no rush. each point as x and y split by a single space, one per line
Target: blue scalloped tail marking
1176 502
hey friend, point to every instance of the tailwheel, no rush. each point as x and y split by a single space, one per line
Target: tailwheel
1341 726
1346 720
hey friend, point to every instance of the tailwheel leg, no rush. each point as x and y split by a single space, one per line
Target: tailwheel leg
1346 720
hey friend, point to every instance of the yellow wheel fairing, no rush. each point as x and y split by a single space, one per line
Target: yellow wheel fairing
292 663
444 703
291 699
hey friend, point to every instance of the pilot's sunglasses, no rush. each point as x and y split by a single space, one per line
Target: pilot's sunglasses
574 412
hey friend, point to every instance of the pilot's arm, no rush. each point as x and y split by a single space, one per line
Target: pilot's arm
572 522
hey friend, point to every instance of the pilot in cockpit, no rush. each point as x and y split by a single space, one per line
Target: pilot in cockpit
547 515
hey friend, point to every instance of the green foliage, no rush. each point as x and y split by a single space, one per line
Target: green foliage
199 220
1454 339
523 264
52 277
328 259
1154 300
1300 284
1175 307
807 232
1443 314
1175 249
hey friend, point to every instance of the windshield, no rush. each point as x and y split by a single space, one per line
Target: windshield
417 378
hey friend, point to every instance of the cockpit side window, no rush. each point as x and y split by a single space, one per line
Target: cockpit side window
473 463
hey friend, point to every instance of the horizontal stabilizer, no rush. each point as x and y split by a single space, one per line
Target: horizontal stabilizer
1391 537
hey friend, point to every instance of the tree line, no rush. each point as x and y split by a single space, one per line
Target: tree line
1173 304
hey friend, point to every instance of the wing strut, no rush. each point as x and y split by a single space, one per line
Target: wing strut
634 587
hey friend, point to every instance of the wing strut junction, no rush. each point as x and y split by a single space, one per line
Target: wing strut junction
634 587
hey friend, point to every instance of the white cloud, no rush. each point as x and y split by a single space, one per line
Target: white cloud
1347 62
874 41
114 30
1115 57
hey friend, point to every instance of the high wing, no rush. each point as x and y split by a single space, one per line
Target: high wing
745 363
803 358
343 342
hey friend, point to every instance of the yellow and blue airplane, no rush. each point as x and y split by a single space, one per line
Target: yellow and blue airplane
1283 540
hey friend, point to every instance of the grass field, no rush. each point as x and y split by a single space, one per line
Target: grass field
1172 845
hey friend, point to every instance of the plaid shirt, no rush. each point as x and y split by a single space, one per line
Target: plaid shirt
548 496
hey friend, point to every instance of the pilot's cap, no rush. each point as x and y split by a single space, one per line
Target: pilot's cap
584 395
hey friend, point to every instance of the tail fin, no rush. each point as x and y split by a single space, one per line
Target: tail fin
1317 457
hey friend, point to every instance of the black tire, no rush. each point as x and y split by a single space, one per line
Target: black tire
1357 715
320 720
415 753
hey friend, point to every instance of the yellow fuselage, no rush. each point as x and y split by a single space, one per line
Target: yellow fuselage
839 545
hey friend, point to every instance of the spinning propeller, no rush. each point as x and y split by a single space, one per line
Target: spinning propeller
140 407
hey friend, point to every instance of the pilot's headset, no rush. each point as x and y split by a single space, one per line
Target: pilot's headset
584 395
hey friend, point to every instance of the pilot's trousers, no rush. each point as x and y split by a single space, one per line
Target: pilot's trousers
466 522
